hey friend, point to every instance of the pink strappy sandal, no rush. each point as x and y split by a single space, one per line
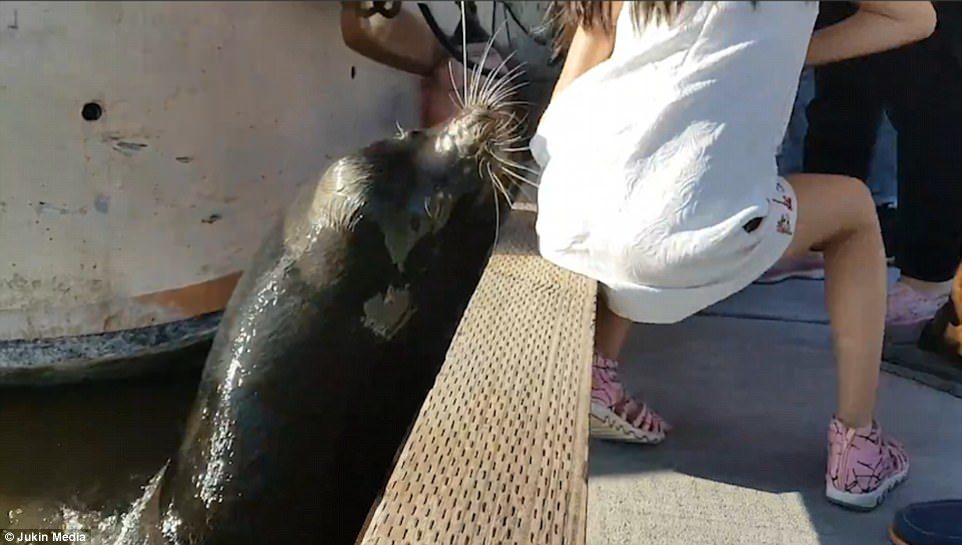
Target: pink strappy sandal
615 416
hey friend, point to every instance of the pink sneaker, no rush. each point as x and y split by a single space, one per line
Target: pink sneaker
615 416
863 466
810 267
908 311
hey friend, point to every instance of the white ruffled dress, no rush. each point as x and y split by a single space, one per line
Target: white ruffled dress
659 177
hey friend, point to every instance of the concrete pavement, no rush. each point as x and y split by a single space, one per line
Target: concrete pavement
750 400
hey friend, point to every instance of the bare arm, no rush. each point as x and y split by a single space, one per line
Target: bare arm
404 41
876 27
588 49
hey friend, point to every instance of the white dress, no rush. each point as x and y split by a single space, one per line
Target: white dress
658 165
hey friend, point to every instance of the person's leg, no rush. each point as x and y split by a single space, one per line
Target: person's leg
926 81
611 332
845 111
836 215
615 414
843 120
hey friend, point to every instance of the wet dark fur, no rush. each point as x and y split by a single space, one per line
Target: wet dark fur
317 404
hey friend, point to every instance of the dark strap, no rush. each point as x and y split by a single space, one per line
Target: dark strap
475 33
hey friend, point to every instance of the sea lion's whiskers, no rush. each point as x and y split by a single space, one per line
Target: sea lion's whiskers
478 69
499 185
497 221
504 93
494 84
518 121
513 72
515 164
473 84
497 207
484 59
504 62
508 134
510 73
522 180
494 102
454 86
518 177
495 181
480 87
513 140
504 142
498 78
516 103
499 127
505 162
464 46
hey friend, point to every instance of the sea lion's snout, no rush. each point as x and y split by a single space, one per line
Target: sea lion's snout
470 134
485 138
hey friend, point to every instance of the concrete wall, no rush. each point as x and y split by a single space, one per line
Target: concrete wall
213 114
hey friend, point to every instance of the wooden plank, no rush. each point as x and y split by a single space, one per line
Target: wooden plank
498 453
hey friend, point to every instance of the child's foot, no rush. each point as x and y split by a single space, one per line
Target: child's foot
908 311
863 466
615 416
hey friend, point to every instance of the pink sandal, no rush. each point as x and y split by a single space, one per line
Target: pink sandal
615 416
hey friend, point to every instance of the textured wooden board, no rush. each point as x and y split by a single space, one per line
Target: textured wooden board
498 453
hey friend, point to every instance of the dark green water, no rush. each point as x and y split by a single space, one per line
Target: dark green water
88 447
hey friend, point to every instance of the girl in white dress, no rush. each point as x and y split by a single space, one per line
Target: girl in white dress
659 180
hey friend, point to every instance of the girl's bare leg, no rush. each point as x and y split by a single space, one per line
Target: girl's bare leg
836 215
615 414
611 331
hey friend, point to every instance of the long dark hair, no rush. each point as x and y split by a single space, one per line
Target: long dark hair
566 17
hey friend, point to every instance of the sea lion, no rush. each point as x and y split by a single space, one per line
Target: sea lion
335 333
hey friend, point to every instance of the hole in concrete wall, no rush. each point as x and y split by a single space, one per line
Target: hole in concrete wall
353 72
92 111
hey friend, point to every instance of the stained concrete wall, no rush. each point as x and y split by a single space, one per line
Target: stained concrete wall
213 114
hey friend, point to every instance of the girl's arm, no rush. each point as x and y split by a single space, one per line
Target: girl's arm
876 27
403 42
589 47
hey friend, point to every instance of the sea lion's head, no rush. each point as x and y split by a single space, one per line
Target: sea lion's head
415 184
477 151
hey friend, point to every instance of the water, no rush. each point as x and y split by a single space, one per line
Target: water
79 456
